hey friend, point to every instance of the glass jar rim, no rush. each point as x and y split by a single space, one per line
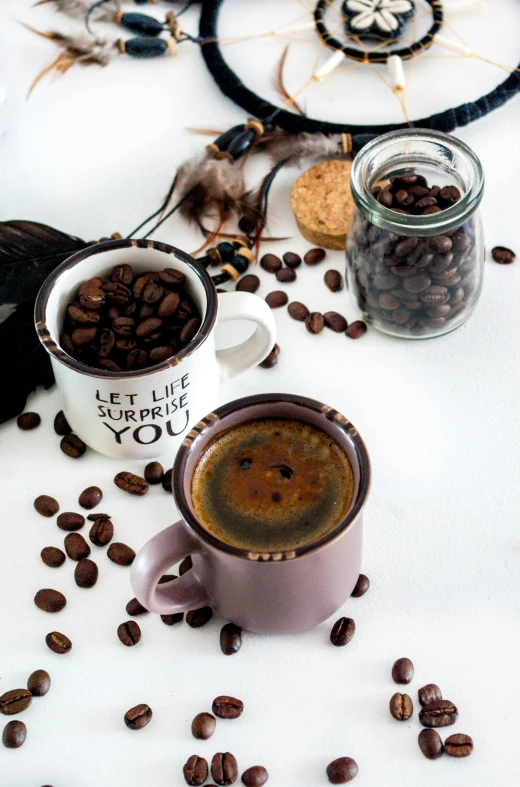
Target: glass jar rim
405 224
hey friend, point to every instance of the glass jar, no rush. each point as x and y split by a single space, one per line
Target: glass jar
416 272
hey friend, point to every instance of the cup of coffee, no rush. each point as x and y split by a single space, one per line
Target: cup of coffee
130 328
271 491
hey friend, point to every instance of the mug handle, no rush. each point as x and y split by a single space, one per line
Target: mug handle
155 558
245 306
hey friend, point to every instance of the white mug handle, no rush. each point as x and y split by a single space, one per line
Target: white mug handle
245 306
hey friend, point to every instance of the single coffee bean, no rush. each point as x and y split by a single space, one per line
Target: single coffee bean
14 734
440 244
458 745
83 336
148 327
271 263
276 299
185 565
361 586
122 274
271 359
90 497
388 302
356 329
169 305
153 472
248 283
86 573
52 557
298 311
255 776
15 701
227 707
50 600
224 768
46 506
292 260
39 683
61 425
286 275
342 632
230 639
315 322
28 421
430 744
334 280
197 618
336 322
133 484
76 547
158 354
172 277
203 726
401 706
73 446
439 713
342 770
171 620
120 554
101 532
416 284
58 643
503 255
189 330
138 717
429 693
129 633
134 608
152 293
402 671
70 521
450 195
195 770
167 480
314 256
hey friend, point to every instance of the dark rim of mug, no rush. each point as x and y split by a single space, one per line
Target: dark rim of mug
339 422
53 347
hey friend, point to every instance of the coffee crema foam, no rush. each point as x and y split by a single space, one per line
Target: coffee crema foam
272 485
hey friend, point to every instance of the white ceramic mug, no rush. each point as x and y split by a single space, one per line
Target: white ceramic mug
146 413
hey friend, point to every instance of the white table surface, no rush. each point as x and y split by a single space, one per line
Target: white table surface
93 152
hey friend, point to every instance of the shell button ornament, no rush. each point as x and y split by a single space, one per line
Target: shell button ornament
377 19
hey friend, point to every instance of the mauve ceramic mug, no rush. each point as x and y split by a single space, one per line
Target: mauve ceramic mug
266 593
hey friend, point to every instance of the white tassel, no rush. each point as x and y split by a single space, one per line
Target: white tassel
303 27
330 65
396 72
455 46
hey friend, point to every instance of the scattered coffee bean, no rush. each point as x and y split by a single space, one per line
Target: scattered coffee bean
458 745
298 311
276 299
195 770
14 734
46 506
272 359
314 256
224 768
503 255
402 671
73 446
15 701
292 260
61 425
248 283
286 275
121 554
58 643
167 480
334 280
185 565
129 633
39 683
356 329
342 770
86 573
203 726
271 263
361 586
230 639
197 618
342 632
76 547
28 421
138 717
50 600
70 521
90 497
101 532
255 776
401 707
429 693
315 322
53 557
153 472
336 322
227 707
430 744
134 608
133 484
439 713
171 620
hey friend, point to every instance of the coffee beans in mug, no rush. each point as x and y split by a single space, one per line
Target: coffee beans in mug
50 600
227 707
255 776
361 586
90 497
39 683
86 573
28 421
401 706
224 768
46 505
61 425
440 713
14 734
458 745
131 483
203 726
197 618
342 632
134 608
73 446
429 693
138 717
76 547
153 472
101 532
195 770
70 521
430 744
15 701
58 643
121 554
402 671
342 770
129 633
230 639
53 557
